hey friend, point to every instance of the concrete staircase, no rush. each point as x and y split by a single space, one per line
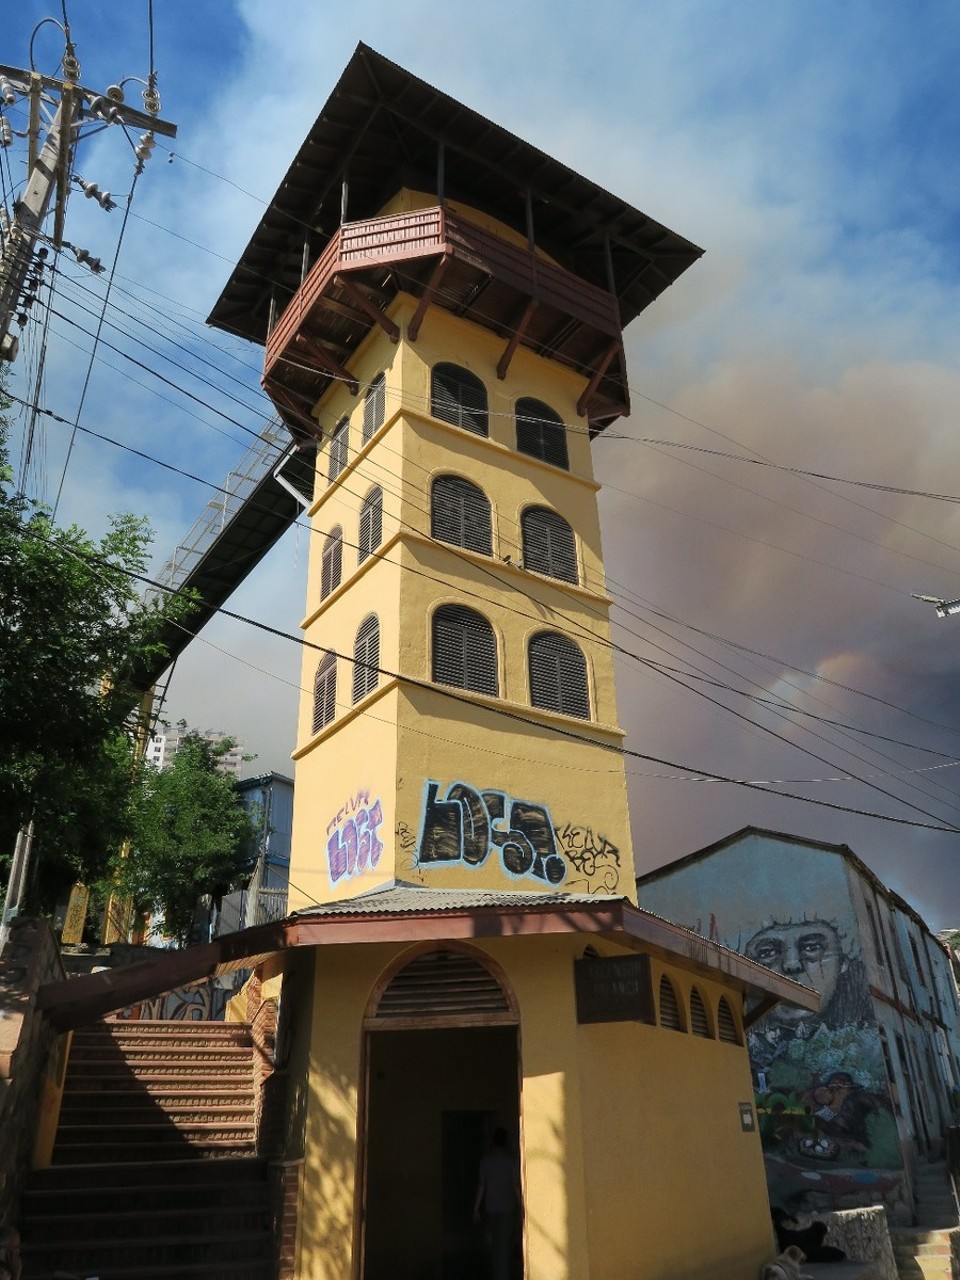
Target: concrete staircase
154 1172
930 1250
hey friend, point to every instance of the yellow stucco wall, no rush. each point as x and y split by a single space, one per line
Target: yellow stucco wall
633 1159
391 747
665 1149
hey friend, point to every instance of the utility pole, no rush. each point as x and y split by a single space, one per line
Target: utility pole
50 167
67 105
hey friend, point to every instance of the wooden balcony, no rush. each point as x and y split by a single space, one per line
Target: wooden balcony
443 260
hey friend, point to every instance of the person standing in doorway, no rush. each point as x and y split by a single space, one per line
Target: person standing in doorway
498 1199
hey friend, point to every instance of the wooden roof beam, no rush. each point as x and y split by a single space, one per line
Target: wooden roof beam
503 364
433 284
318 356
289 409
601 369
360 300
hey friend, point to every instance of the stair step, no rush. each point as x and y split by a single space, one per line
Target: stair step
159 1070
242 1268
86 1256
86 1202
106 1119
209 1150
143 1173
68 1230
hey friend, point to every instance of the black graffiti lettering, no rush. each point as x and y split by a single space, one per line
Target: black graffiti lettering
475 840
467 825
440 831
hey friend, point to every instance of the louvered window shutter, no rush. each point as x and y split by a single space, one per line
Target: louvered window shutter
444 985
670 1015
699 1022
459 397
727 1023
374 407
325 692
558 675
366 657
464 650
331 563
339 443
541 433
549 545
371 524
460 514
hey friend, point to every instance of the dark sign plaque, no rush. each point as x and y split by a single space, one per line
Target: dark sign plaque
613 989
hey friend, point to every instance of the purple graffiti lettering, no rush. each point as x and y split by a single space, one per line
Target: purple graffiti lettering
354 844
336 856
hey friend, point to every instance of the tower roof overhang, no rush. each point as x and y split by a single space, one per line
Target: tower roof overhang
382 129
408 914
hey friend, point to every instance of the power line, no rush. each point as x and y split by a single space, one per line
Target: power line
446 692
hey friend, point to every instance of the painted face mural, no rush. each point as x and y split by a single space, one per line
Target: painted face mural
810 953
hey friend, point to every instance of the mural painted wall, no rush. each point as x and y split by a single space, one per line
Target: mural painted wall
822 1095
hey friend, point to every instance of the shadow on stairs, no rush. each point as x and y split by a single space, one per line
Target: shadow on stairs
155 1172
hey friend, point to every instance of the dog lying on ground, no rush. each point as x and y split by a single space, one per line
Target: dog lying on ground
786 1266
807 1237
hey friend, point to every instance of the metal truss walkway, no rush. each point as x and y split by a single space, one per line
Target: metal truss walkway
262 498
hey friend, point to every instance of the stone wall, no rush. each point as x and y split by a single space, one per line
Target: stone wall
864 1236
32 1057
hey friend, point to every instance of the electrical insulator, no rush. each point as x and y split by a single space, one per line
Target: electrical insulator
71 67
144 148
86 259
6 133
7 91
93 192
22 319
151 100
104 108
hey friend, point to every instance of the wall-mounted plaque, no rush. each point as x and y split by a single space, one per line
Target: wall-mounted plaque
614 989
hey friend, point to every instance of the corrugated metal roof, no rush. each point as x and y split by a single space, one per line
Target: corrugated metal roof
406 898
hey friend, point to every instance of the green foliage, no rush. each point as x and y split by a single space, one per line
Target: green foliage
190 836
73 628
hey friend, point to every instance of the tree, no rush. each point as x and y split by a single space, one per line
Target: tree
73 627
191 836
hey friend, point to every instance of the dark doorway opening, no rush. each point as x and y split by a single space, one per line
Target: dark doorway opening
434 1098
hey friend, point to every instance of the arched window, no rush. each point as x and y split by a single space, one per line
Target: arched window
464 650
366 657
325 692
331 563
558 675
541 433
699 1022
727 1023
374 407
671 1015
460 514
459 397
371 524
339 444
548 544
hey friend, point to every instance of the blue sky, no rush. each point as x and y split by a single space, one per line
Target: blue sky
810 149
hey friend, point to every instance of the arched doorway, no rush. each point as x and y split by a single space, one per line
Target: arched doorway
442 1074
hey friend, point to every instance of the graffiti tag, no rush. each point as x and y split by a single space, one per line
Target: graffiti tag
596 858
353 844
468 825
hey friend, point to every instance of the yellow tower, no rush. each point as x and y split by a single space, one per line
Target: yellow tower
444 329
